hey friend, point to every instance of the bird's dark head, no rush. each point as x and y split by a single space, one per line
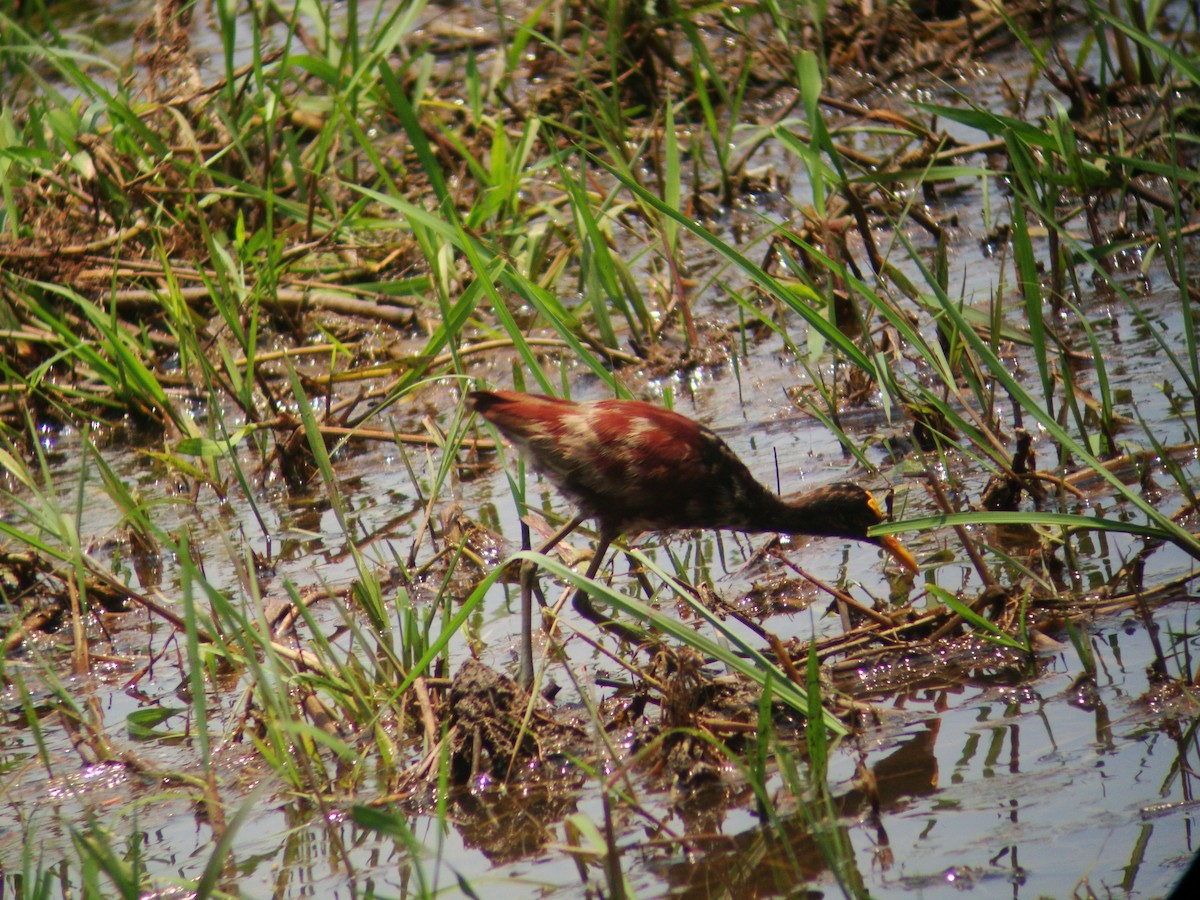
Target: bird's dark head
845 510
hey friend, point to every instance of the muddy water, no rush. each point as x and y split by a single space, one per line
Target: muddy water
1022 787
1005 786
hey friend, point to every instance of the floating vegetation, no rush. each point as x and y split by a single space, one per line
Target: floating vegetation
261 566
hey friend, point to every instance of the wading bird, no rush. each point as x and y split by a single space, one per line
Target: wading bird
637 467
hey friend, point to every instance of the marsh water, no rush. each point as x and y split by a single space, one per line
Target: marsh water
1003 783
990 778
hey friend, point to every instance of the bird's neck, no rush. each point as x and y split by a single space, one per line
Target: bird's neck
812 512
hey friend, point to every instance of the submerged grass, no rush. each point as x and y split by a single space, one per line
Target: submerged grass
246 274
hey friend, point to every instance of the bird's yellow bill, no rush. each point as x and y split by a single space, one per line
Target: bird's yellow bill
897 550
889 543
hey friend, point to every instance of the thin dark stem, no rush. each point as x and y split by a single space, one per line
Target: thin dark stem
528 573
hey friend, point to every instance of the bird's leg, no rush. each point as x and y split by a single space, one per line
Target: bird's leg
583 603
528 575
640 574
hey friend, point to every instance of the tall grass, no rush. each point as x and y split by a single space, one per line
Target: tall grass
244 274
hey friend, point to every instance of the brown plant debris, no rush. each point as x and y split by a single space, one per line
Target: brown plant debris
499 729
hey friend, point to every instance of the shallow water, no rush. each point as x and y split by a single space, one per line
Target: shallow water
997 786
1016 787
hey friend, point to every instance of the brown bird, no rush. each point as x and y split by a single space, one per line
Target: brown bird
636 467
